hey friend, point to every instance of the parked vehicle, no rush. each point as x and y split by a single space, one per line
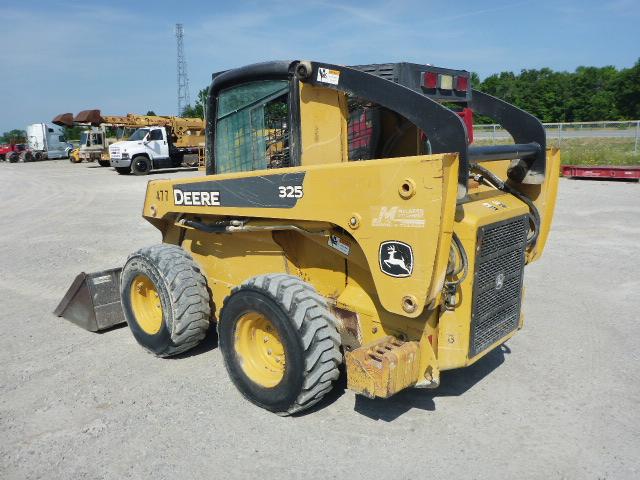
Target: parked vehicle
151 148
15 152
186 134
47 141
393 245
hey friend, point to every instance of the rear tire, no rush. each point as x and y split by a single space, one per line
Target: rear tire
104 163
37 156
295 321
140 165
13 157
165 299
123 170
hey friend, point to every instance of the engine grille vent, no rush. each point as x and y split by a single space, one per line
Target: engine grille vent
497 289
387 71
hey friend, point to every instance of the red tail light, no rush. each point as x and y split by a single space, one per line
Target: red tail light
462 83
429 79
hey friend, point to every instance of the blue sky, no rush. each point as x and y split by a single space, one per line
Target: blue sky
120 56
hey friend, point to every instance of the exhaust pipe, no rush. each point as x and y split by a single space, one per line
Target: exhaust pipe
93 301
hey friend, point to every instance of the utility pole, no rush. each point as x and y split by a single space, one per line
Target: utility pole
183 78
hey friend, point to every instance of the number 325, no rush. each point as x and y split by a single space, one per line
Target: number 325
290 191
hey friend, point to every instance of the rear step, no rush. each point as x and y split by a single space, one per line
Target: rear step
93 301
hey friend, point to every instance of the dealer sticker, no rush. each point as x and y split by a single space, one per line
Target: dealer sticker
326 75
336 242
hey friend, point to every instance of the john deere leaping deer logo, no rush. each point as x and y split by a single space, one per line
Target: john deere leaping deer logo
396 258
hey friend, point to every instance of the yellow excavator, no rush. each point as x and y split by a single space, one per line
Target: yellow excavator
345 218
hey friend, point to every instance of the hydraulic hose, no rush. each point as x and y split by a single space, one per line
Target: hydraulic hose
464 263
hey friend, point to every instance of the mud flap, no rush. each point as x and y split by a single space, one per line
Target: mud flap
93 301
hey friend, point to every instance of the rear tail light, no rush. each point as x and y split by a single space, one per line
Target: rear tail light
430 79
462 83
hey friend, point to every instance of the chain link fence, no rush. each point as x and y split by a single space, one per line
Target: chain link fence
591 143
557 132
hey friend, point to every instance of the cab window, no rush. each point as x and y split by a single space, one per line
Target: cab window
252 127
155 134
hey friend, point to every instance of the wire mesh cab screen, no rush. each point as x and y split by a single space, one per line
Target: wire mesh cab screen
252 131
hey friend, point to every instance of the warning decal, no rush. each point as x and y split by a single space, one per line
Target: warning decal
326 75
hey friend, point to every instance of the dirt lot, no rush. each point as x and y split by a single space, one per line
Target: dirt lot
560 400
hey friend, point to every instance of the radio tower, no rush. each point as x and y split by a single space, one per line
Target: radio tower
183 78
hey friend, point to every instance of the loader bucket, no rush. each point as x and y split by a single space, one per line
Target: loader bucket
93 301
89 116
64 120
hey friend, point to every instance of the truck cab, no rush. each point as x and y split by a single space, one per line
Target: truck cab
47 141
95 142
147 149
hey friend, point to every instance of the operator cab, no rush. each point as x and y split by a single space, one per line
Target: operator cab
253 119
285 114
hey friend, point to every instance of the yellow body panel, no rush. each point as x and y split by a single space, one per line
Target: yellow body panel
454 325
323 115
368 189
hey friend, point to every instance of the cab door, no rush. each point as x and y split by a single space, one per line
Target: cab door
156 144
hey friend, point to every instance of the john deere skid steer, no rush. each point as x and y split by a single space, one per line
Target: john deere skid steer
346 217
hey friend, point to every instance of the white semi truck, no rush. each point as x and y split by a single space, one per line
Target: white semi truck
47 141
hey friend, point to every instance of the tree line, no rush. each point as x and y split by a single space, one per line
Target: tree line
587 94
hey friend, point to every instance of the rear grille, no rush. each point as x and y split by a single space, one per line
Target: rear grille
387 71
497 288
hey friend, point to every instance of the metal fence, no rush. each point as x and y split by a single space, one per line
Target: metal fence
557 132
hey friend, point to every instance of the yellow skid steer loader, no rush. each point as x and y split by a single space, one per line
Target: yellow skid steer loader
345 218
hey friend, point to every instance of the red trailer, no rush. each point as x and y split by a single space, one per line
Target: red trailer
629 172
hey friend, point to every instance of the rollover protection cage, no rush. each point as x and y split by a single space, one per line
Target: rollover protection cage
420 94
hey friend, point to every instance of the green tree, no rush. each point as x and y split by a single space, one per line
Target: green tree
73 133
627 88
151 113
198 109
14 136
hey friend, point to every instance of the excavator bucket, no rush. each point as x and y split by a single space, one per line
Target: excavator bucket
93 301
89 116
64 120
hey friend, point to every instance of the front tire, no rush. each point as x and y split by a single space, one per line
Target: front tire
279 342
140 165
165 299
123 170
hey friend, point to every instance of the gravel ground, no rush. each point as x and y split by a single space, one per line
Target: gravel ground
560 400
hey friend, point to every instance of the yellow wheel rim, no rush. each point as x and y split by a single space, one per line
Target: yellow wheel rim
260 350
145 304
